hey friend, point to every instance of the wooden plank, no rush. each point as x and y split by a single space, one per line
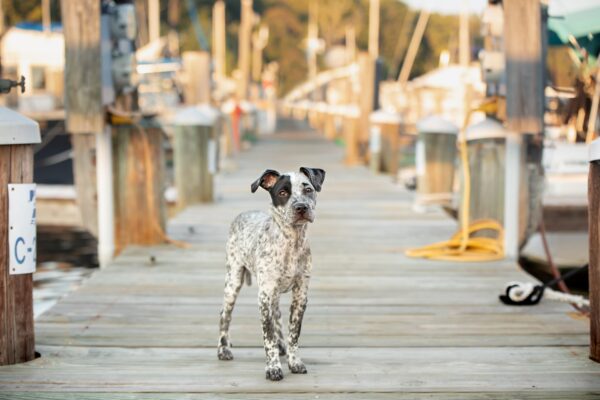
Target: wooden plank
83 83
330 370
534 395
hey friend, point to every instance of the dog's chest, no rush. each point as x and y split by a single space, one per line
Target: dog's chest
283 263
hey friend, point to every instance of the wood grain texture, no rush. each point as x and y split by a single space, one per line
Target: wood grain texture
83 83
594 268
138 167
435 186
487 169
193 179
84 171
378 325
524 66
16 301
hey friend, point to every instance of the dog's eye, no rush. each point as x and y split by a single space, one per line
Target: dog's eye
283 193
308 190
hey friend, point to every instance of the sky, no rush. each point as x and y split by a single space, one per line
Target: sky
557 7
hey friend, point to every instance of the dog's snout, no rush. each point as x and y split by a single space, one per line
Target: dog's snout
301 208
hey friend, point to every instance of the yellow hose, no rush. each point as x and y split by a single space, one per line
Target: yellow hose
462 246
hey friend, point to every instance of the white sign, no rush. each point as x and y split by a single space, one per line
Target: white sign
21 228
375 140
420 161
212 156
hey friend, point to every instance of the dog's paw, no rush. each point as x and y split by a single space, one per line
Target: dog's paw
282 348
225 354
297 367
274 373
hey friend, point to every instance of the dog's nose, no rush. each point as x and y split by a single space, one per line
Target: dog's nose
301 208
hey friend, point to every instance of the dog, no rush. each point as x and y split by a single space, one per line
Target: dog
273 247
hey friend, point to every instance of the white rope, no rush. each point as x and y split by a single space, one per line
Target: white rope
520 291
579 301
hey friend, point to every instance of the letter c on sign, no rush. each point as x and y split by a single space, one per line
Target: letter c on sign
22 259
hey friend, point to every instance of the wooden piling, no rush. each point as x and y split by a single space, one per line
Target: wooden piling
524 117
16 301
197 88
83 99
350 127
594 237
138 160
245 33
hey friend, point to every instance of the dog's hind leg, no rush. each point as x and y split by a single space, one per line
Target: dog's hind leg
279 331
233 283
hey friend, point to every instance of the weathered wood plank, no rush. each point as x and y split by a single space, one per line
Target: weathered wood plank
534 395
330 370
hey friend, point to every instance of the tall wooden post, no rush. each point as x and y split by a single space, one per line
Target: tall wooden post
244 48
219 46
366 65
464 49
594 237
138 166
83 98
16 301
153 20
173 21
525 112
46 17
259 42
413 47
350 44
196 66
374 28
313 36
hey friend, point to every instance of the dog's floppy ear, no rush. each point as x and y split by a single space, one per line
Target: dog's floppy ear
316 176
266 181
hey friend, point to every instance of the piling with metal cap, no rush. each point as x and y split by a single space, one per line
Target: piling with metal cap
594 237
435 157
17 236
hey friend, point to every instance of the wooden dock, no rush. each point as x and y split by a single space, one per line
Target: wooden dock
378 324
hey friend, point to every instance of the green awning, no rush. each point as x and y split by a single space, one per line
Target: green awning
583 25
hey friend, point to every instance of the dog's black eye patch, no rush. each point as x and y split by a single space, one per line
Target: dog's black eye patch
280 192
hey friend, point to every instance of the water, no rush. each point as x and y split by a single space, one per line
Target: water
52 281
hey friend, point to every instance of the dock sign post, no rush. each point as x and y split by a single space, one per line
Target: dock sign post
21 228
18 135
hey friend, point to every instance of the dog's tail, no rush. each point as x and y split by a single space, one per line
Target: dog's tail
247 277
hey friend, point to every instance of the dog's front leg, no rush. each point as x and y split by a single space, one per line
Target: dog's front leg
268 300
299 300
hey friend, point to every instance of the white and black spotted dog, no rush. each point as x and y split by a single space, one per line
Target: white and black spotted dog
273 247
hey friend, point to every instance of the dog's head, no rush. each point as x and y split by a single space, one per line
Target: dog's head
293 194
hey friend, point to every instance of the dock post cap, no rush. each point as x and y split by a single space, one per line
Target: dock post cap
436 124
489 128
385 116
594 150
203 115
15 128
